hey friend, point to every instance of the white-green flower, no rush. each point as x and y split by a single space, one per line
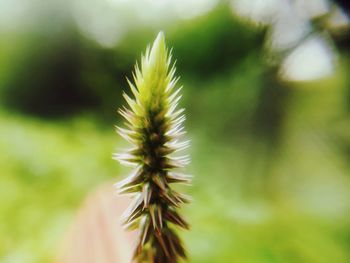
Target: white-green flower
154 125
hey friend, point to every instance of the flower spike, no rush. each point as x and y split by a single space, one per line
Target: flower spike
154 126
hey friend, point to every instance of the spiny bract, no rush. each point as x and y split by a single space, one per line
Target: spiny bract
154 125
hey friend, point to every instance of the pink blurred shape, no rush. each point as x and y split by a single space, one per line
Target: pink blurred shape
96 235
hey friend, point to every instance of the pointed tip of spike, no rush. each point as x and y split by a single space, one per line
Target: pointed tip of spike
160 37
158 49
159 42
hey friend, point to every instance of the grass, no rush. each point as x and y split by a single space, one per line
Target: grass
46 171
48 167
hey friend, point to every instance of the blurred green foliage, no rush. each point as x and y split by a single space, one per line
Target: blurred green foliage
270 159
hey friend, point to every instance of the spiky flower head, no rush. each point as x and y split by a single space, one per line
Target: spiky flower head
154 125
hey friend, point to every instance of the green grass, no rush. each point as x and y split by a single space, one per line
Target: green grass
46 170
48 167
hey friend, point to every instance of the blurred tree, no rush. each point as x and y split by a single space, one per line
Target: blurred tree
214 44
47 82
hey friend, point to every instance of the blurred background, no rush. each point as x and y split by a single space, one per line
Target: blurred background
267 98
